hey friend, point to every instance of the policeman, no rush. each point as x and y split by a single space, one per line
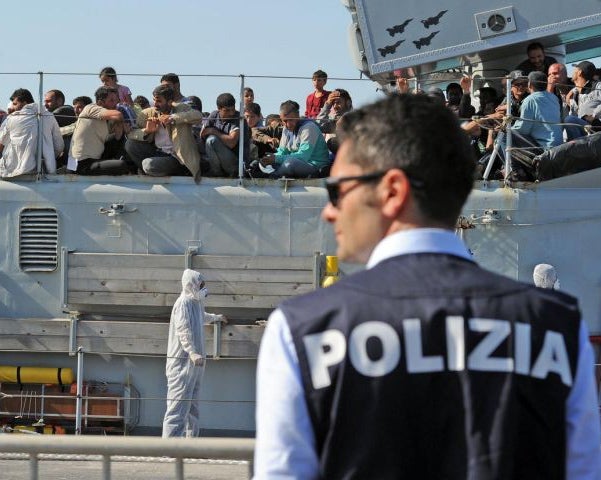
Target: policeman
186 357
424 365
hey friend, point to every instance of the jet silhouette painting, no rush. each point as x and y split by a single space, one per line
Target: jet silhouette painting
422 42
398 28
428 22
389 48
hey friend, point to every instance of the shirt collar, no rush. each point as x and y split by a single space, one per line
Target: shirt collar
418 240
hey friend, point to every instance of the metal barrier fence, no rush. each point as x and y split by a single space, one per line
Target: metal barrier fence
107 447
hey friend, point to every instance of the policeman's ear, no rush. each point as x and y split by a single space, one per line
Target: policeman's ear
394 193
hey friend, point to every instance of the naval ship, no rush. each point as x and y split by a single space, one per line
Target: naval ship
90 266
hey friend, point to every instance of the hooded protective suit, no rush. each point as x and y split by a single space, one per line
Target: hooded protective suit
186 358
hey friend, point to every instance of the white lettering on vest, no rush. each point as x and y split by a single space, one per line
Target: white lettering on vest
522 348
416 361
329 348
553 357
455 343
479 358
391 349
320 359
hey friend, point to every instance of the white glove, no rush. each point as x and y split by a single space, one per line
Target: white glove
214 318
197 359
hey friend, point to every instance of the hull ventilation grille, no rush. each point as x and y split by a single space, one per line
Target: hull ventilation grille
38 240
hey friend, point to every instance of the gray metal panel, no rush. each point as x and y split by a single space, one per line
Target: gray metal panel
458 31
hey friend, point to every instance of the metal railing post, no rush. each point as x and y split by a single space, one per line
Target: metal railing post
241 138
78 403
33 466
216 340
179 468
508 132
106 467
40 126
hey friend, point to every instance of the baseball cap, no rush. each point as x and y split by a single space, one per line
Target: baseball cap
517 76
587 68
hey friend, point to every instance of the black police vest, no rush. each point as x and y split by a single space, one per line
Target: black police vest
429 367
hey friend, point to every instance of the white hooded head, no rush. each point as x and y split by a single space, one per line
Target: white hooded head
545 276
193 285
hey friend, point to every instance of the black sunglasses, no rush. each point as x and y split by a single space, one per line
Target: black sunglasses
332 184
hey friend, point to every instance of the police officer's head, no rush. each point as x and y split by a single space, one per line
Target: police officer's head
404 162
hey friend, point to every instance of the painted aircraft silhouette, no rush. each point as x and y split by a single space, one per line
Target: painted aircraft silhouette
389 48
433 20
424 40
398 28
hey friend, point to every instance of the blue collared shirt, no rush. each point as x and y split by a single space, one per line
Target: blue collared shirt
285 447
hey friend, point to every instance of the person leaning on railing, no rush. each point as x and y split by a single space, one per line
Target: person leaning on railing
97 143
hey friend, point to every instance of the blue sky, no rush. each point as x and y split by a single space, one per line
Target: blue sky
188 37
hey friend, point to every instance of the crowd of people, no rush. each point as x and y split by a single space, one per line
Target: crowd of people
118 134
547 108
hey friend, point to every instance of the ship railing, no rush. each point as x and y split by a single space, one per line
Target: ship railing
109 449
242 79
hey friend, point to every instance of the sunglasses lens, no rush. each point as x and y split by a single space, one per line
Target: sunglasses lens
332 189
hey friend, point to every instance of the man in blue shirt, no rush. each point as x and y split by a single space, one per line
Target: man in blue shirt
538 128
424 365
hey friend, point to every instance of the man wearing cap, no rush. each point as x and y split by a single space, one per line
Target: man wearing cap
519 91
537 60
538 125
423 365
585 102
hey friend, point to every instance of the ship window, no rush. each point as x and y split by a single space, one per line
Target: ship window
38 240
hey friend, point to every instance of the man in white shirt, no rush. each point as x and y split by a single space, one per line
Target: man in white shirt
19 137
424 365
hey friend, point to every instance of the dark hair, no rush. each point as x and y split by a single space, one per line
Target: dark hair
538 81
320 74
103 92
248 89
109 72
344 94
535 46
272 116
226 100
141 101
491 92
289 106
82 99
453 85
60 96
389 134
165 91
253 108
170 77
22 95
195 102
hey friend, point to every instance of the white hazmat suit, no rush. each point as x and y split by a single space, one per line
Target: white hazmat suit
186 357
